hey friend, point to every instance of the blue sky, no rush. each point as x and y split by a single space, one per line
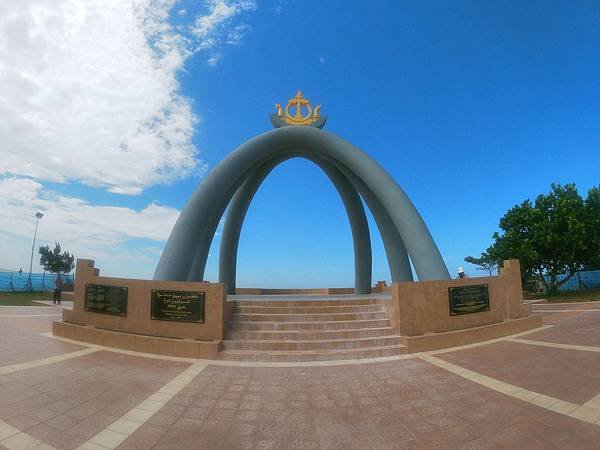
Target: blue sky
471 106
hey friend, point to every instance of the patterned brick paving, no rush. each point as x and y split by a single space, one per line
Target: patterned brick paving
402 404
66 403
580 329
19 336
535 368
572 306
551 319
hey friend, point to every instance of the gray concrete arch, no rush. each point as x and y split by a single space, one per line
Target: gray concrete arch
352 203
395 250
185 253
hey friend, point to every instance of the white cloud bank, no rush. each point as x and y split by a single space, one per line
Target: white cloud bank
88 231
87 97
89 94
89 90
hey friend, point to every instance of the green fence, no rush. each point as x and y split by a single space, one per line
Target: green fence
15 281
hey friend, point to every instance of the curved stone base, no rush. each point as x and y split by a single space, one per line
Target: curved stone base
412 317
182 348
456 338
189 348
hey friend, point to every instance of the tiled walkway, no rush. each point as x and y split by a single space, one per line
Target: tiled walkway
535 368
536 391
19 335
578 329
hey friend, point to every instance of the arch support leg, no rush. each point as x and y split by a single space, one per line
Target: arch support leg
352 203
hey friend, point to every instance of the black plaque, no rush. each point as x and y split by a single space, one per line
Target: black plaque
104 299
469 299
179 306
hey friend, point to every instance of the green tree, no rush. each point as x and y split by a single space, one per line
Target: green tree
550 236
592 204
486 262
56 262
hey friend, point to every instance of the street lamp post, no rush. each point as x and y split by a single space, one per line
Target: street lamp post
38 216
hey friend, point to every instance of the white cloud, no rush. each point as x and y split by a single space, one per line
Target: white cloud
89 93
214 60
104 233
322 60
211 29
237 34
219 12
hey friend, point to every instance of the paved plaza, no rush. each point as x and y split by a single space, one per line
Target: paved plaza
536 390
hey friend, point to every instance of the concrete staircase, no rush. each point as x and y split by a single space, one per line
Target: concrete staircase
310 330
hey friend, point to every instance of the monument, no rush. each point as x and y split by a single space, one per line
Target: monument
297 134
179 314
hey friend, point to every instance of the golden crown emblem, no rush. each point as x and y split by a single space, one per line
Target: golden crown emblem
298 111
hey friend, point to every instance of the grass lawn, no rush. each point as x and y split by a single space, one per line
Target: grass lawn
23 298
589 295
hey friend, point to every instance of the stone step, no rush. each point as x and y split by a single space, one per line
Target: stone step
309 326
354 301
313 355
309 345
306 335
321 317
306 309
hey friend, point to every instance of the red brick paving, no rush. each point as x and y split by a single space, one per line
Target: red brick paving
568 375
20 341
581 329
66 403
553 318
403 404
573 306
